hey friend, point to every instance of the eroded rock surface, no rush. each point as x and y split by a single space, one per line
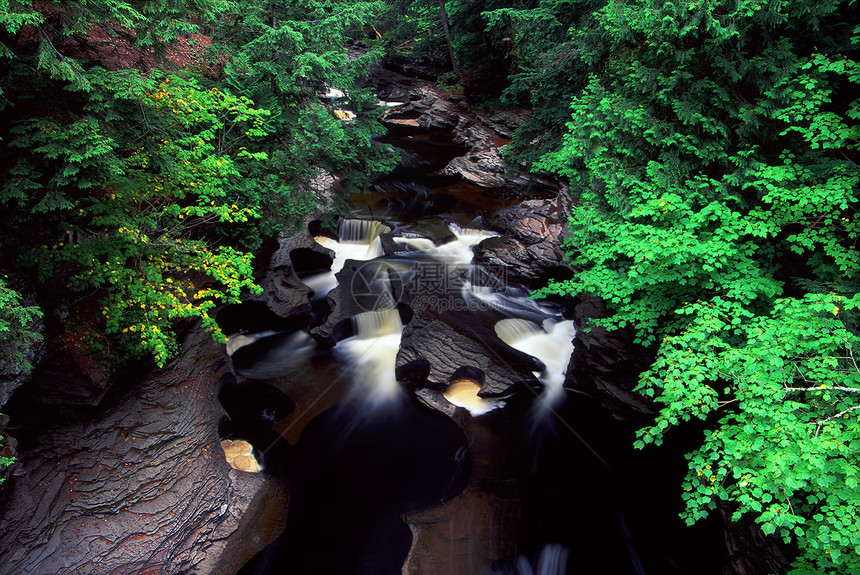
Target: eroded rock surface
529 248
283 290
416 103
142 488
449 346
607 364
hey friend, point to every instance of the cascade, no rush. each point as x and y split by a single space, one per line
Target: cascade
359 240
372 353
551 342
355 468
418 243
459 250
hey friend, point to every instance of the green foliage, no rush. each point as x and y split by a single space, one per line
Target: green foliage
714 151
546 70
4 462
17 336
413 29
136 236
283 57
147 187
785 449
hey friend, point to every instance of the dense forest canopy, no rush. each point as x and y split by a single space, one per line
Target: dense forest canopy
712 149
150 145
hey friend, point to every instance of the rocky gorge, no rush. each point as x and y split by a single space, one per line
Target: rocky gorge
140 483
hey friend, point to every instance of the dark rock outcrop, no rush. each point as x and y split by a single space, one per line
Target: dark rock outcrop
419 104
452 339
141 488
14 375
283 290
607 364
529 249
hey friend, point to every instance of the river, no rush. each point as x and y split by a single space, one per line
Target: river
385 474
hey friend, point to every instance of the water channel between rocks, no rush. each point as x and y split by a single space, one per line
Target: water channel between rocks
371 414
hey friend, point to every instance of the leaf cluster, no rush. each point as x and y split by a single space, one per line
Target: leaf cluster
146 186
714 150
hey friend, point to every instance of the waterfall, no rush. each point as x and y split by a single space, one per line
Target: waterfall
551 342
420 244
371 354
359 240
459 250
360 231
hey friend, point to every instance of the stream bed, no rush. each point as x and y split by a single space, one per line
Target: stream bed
393 461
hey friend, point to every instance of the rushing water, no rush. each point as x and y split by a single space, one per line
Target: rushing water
372 353
358 450
551 342
358 240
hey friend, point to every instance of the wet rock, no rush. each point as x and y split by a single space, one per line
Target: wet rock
142 487
428 108
362 286
607 365
275 355
484 168
283 290
449 339
529 249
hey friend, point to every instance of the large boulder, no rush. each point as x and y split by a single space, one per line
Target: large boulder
283 290
529 248
450 338
607 364
143 487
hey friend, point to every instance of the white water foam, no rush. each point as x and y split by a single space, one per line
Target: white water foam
420 244
551 342
372 352
359 240
459 250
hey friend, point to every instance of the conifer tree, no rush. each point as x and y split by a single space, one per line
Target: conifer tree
144 171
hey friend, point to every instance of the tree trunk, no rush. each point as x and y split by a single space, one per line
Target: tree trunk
443 14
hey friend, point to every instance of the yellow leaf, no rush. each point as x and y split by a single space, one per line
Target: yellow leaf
835 309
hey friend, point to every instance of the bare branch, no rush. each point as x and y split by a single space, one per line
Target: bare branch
823 388
820 424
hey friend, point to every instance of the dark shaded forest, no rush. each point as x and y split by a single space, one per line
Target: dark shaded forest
148 149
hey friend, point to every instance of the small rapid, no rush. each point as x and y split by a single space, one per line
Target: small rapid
551 343
357 240
371 354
